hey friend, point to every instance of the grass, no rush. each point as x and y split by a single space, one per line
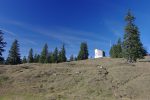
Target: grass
3 79
20 97
97 79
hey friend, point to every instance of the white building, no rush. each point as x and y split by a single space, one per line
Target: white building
99 53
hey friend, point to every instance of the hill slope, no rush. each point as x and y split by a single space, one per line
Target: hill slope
98 79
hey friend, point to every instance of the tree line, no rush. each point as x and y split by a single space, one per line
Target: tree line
56 56
131 47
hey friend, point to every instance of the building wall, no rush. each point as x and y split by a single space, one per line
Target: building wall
99 53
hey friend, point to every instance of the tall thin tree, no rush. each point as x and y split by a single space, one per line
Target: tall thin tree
44 54
30 56
24 60
2 45
36 58
55 56
71 58
62 54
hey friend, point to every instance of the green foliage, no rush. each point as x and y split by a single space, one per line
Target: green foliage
55 56
48 58
44 54
24 60
62 54
51 57
116 50
2 45
36 58
83 53
30 56
132 45
72 58
3 79
75 58
14 54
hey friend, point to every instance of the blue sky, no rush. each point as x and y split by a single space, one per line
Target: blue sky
36 22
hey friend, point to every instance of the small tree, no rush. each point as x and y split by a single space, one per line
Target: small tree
55 56
2 45
36 58
63 51
51 57
72 58
62 54
83 53
75 58
30 56
24 60
116 50
14 54
48 58
44 54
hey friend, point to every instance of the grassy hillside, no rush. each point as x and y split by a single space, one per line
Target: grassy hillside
98 79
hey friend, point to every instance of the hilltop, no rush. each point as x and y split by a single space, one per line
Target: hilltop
95 79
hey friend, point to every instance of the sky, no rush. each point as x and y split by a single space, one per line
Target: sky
98 22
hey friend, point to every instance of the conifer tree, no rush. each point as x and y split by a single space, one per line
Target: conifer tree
55 56
36 58
64 58
2 45
51 57
14 54
44 54
83 53
119 48
30 56
71 58
116 50
75 58
62 54
24 60
132 45
48 58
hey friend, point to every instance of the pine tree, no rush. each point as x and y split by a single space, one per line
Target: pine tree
75 58
50 57
83 53
132 45
24 60
64 58
14 54
116 50
30 56
44 54
55 56
119 48
36 58
2 45
113 52
62 54
71 58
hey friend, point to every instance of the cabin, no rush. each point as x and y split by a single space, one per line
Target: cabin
99 53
